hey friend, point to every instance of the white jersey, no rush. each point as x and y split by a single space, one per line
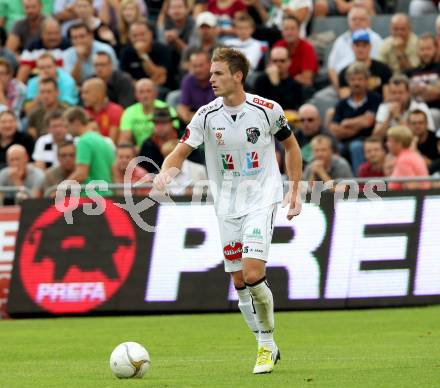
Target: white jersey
240 155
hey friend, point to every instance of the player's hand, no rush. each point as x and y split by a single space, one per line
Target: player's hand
163 179
293 199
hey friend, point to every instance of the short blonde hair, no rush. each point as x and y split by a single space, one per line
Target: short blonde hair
401 134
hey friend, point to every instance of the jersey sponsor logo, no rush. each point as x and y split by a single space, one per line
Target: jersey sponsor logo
219 138
233 250
253 134
207 109
252 160
218 129
262 102
185 136
228 162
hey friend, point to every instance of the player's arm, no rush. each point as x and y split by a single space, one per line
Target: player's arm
293 161
172 165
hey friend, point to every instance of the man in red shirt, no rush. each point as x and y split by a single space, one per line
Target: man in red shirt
375 155
304 63
105 113
409 163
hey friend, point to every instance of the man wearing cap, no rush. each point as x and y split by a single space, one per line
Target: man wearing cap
163 132
380 73
205 37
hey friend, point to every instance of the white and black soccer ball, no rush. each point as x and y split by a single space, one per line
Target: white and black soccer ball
129 360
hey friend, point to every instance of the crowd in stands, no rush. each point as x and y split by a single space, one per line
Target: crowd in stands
87 85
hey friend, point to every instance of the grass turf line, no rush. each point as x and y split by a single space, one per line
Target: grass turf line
358 348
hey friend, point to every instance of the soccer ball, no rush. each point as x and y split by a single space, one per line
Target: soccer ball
129 359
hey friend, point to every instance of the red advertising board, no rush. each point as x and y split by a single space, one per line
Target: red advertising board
9 217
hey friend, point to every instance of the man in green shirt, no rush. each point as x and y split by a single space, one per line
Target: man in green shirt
137 120
94 153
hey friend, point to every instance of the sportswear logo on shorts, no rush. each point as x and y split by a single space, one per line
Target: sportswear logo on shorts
252 134
228 162
233 250
252 160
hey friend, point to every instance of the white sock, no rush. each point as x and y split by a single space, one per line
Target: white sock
247 310
263 305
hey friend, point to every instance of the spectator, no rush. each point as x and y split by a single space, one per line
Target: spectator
409 163
47 102
26 29
425 78
353 120
46 65
341 54
120 87
129 12
309 127
51 42
5 53
277 84
106 114
325 165
46 146
423 7
12 91
399 50
163 132
380 73
388 165
94 154
374 151
137 120
226 11
300 9
63 168
341 7
434 168
303 60
145 58
125 153
206 37
78 59
396 110
20 173
252 48
425 141
190 173
177 27
196 89
84 12
9 135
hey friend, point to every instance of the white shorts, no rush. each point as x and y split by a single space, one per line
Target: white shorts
248 236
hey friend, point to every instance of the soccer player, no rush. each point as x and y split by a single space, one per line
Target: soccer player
238 131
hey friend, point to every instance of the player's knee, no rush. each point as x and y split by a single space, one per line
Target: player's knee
252 276
237 278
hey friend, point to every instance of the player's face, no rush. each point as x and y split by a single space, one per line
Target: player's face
222 80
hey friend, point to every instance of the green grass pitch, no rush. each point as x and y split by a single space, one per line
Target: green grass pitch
358 348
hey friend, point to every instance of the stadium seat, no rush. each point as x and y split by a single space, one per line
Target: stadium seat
402 6
337 24
425 23
381 24
173 98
